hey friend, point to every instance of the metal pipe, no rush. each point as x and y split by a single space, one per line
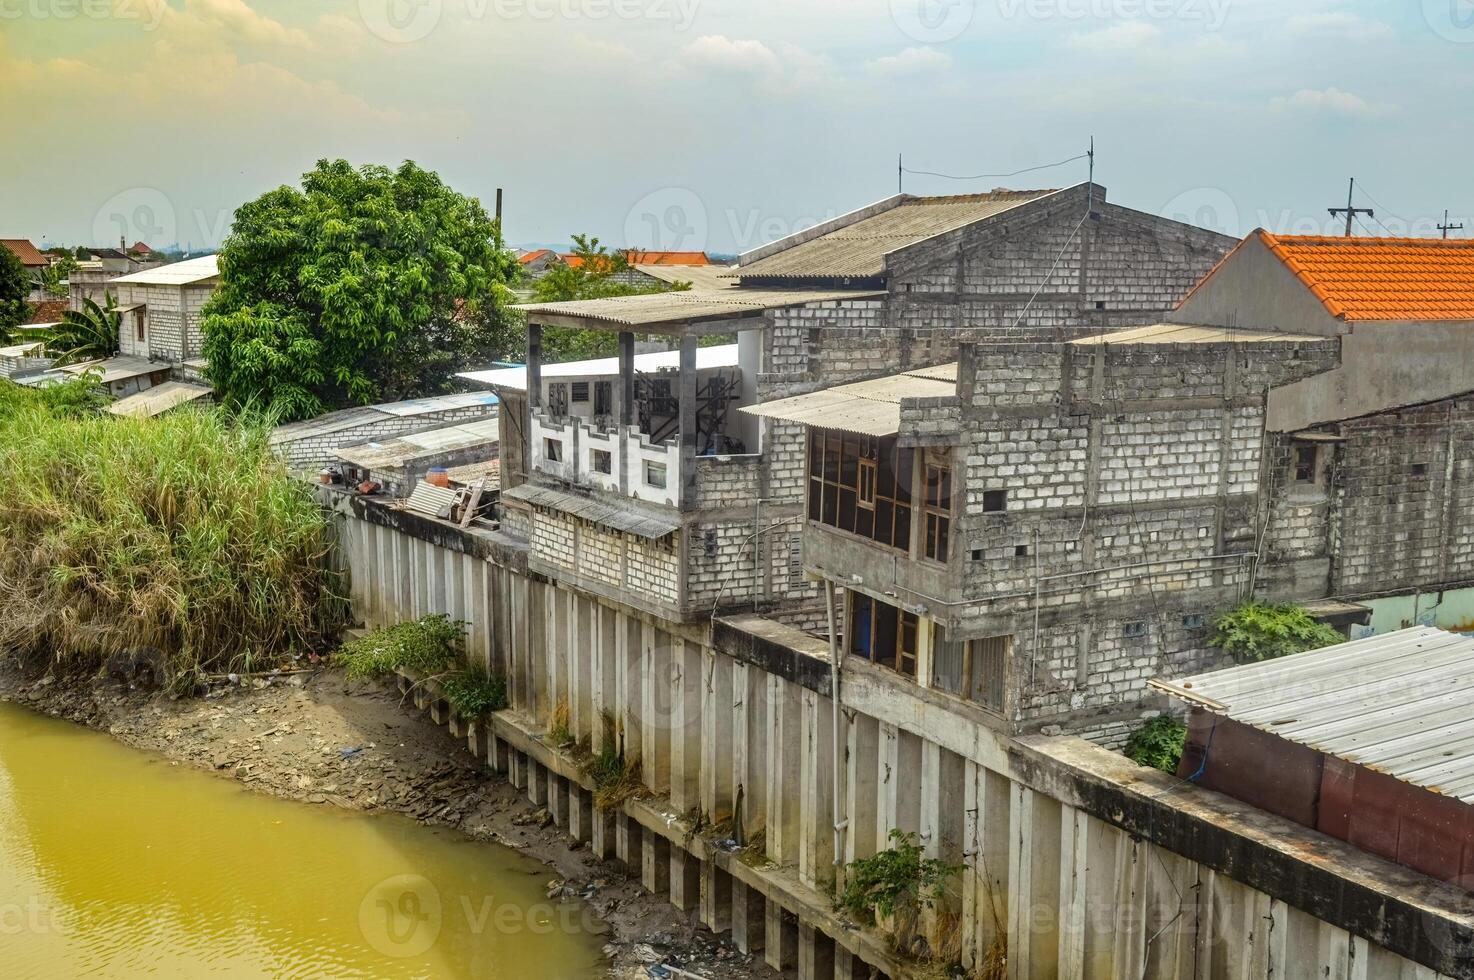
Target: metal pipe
841 825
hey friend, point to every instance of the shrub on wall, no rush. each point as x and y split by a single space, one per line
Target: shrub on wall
1257 631
1157 744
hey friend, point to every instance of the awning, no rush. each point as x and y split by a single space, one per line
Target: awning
617 517
866 408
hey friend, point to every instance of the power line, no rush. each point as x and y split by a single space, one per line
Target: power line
1385 210
1026 170
1351 210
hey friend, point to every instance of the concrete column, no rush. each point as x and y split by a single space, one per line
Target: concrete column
862 754
716 897
685 734
784 723
518 770
624 404
602 834
749 749
558 793
655 864
848 966
815 954
583 652
780 930
716 735
627 664
580 812
748 910
537 784
534 369
627 841
1074 868
685 879
816 813
657 704
603 678
687 399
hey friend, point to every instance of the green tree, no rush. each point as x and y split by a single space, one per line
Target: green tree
1256 631
366 284
87 334
595 273
15 291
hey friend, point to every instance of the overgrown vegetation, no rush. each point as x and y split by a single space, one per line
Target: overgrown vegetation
898 882
1158 744
90 333
1257 631
434 646
430 645
616 777
181 535
474 692
15 288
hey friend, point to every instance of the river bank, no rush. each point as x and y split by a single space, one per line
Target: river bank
321 740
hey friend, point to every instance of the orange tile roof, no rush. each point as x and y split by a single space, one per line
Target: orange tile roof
534 255
28 254
1382 278
638 257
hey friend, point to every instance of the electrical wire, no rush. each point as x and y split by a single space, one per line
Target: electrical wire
1026 170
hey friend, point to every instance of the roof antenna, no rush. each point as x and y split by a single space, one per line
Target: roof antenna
1090 183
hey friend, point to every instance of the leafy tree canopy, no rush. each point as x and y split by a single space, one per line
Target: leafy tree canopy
367 284
15 291
1256 631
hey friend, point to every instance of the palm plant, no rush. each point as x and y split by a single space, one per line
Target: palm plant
88 334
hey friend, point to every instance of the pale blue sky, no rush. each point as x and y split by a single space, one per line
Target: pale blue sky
720 124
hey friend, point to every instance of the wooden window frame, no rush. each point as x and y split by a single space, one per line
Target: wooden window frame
846 483
936 507
596 456
892 637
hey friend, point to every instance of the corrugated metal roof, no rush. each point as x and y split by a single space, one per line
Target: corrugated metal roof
351 418
117 368
867 408
699 276
858 249
430 500
651 309
405 449
515 378
1182 333
617 516
176 274
158 399
1401 704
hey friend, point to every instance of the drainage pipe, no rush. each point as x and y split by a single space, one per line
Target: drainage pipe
841 824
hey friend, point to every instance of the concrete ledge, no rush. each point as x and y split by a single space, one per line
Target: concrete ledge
780 650
487 545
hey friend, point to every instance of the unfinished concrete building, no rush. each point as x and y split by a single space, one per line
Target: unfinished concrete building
1039 529
709 504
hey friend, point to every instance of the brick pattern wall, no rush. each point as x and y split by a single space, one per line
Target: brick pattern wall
650 569
306 448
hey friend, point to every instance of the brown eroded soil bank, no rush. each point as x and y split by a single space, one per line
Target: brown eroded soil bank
323 740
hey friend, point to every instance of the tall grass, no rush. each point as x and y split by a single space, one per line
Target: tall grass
181 534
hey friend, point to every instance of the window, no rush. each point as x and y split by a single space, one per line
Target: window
937 506
139 331
1420 469
655 475
971 669
1194 621
601 461
553 450
883 634
1134 630
603 398
1302 461
1021 551
995 501
861 485
580 391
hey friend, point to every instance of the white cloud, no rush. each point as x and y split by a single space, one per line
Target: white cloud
1341 25
1119 38
1331 100
726 54
912 63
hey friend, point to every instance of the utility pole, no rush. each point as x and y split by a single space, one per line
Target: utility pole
1350 210
1446 227
900 176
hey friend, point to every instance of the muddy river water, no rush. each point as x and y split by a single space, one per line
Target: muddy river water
115 863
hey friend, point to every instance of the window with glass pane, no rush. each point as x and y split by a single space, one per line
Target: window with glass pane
937 506
861 485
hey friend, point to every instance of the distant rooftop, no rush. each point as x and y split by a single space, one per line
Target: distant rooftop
855 245
28 254
651 310
406 449
351 418
184 273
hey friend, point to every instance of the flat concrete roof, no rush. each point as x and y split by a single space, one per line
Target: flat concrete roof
515 378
